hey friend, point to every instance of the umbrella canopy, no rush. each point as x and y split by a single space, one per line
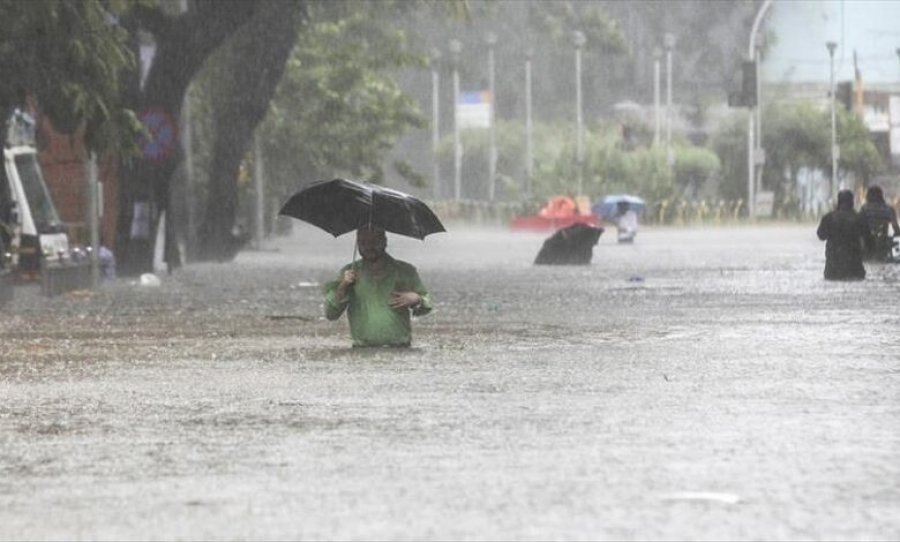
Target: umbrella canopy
607 207
569 246
340 206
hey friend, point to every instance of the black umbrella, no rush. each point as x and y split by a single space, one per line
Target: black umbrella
573 245
340 206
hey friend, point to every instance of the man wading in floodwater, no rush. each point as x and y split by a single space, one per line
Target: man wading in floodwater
844 232
378 293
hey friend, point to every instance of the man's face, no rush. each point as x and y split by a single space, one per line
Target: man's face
371 243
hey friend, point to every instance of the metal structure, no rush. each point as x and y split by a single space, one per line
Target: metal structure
752 150
491 40
831 46
657 117
578 40
669 43
455 50
435 122
529 127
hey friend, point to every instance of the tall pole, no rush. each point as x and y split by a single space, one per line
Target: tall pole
187 146
491 40
94 218
435 123
455 49
529 127
834 148
751 149
657 117
579 40
759 154
259 227
669 42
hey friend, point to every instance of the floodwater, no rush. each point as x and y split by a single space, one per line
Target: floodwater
700 384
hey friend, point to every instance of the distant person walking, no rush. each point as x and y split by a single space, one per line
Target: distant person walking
844 232
626 222
879 216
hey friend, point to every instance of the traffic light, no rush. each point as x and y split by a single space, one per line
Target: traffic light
748 83
746 96
844 94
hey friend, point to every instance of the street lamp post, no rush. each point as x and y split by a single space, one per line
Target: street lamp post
455 49
435 122
657 118
759 156
669 43
529 127
491 40
834 148
94 213
578 39
751 149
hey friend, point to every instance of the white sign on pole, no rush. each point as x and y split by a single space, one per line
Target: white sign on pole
895 140
894 110
876 120
765 203
474 110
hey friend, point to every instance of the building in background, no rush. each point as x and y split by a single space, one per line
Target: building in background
866 61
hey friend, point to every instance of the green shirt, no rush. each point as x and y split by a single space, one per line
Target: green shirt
372 321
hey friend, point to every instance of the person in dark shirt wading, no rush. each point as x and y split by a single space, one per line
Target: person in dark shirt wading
878 216
844 232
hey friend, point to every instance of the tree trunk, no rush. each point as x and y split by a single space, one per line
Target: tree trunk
262 49
182 45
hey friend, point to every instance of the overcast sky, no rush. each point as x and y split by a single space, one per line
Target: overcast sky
870 27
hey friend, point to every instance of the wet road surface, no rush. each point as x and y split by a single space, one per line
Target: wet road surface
700 384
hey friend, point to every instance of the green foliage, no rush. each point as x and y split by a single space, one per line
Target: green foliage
695 166
797 136
729 142
858 153
338 109
556 20
609 166
69 55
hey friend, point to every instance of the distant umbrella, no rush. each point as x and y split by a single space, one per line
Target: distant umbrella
629 110
573 245
340 206
608 206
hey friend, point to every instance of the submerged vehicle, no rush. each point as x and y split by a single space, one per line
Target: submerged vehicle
34 243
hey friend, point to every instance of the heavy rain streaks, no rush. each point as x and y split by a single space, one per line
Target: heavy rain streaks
696 384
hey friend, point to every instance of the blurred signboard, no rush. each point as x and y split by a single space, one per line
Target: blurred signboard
765 203
876 119
894 113
474 109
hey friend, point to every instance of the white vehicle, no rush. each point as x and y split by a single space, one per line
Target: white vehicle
34 243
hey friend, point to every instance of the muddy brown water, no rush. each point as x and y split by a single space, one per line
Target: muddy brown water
700 384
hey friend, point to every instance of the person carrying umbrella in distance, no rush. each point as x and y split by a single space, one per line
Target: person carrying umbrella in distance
622 210
378 292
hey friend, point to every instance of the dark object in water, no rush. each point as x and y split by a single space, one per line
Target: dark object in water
573 245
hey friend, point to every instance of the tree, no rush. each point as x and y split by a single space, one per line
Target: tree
337 110
798 136
68 55
729 142
183 42
241 86
859 155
